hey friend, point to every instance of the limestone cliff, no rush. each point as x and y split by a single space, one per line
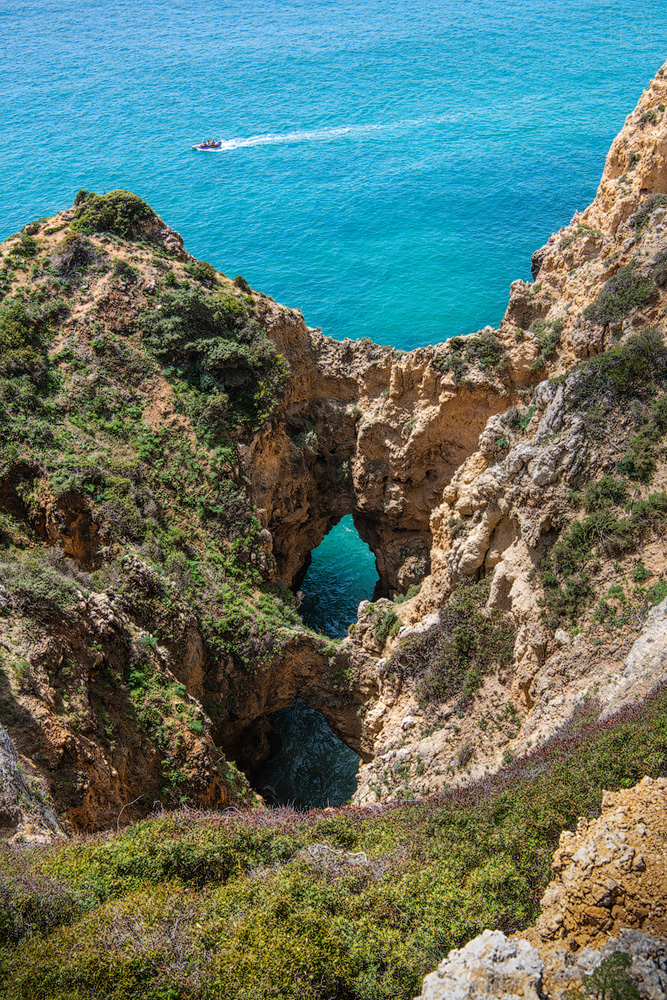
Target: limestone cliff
599 293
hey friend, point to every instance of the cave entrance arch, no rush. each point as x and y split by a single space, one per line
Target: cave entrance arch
313 768
342 572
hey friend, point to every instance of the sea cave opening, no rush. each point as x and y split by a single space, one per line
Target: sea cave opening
341 574
313 767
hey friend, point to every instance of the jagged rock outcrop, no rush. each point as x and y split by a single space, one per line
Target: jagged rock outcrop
364 430
608 897
489 966
74 709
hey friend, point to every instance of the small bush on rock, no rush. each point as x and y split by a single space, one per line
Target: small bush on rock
21 348
117 212
620 373
482 350
625 291
643 214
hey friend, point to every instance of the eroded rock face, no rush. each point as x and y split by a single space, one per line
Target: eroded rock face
364 430
78 717
611 873
25 816
608 896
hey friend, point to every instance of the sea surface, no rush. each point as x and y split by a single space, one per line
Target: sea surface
388 167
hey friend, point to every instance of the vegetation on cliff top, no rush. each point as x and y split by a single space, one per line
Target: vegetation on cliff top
214 345
118 212
352 904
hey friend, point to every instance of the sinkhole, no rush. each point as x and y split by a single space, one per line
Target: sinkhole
313 767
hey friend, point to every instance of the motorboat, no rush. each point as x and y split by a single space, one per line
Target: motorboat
208 144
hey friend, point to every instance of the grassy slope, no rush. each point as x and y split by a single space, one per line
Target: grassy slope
197 905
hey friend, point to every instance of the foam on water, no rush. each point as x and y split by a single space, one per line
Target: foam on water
329 134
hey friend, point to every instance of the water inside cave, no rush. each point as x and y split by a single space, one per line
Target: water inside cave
341 575
314 768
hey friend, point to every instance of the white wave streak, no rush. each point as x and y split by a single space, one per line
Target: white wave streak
325 134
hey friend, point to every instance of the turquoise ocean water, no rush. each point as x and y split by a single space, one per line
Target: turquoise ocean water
388 167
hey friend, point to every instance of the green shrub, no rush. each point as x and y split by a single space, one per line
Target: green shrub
486 349
548 337
599 532
650 513
118 212
36 586
640 459
201 271
610 981
25 246
387 625
452 656
121 269
215 346
603 493
483 350
643 214
411 592
619 373
21 347
623 292
522 419
31 904
74 256
657 593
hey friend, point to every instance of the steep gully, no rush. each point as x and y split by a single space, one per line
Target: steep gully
407 445
368 432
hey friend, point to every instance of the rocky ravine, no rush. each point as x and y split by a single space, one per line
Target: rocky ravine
608 897
461 463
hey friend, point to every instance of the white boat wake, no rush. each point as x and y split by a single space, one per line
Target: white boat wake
327 134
